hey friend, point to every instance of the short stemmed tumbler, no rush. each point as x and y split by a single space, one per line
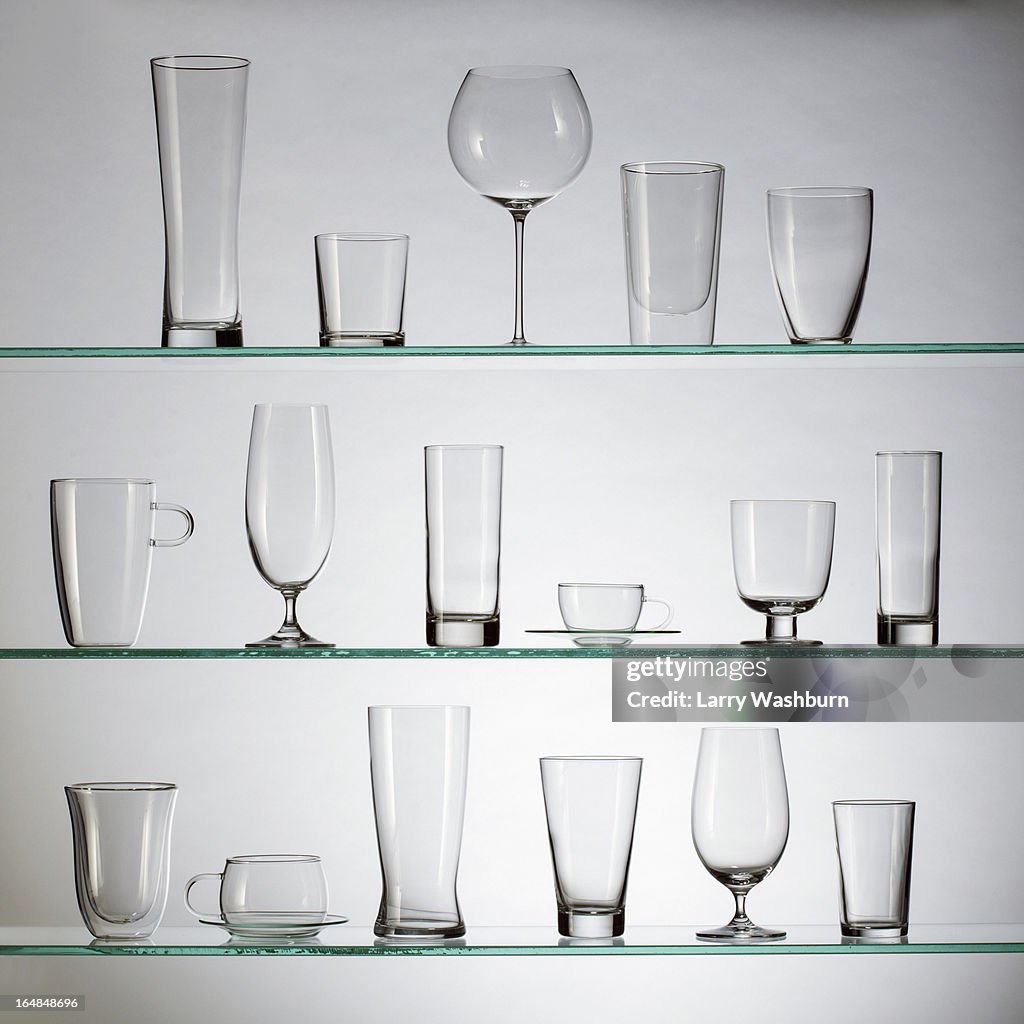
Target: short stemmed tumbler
782 558
819 242
289 505
740 818
519 135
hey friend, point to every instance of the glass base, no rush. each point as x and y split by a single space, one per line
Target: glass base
449 631
740 933
289 639
906 631
868 931
356 339
202 336
576 924
821 341
774 641
412 928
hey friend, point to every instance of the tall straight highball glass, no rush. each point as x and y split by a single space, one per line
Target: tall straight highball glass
200 125
672 219
419 759
463 505
908 499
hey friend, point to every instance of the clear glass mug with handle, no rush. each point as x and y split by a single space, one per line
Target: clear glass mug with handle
607 607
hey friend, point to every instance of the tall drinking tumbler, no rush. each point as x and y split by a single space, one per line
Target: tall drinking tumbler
819 243
122 839
908 492
463 492
672 218
419 758
591 809
103 538
874 841
200 125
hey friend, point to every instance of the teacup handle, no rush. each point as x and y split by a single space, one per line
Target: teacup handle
665 621
190 525
188 888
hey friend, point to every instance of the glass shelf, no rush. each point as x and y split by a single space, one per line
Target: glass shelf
650 941
517 352
956 651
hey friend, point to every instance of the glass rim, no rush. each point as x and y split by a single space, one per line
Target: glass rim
273 858
418 707
873 803
121 480
363 236
739 728
611 586
290 405
191 62
590 757
780 501
462 447
121 787
821 191
522 72
672 167
906 454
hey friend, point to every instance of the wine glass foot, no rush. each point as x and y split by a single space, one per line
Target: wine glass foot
780 642
290 640
748 932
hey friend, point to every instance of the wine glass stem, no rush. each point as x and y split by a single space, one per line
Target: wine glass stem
740 917
290 624
519 219
781 627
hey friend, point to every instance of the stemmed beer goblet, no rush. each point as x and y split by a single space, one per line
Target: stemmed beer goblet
739 818
289 506
782 559
519 135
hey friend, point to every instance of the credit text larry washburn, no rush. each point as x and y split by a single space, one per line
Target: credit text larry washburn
737 701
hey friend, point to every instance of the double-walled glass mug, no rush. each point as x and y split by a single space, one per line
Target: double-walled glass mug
672 219
819 242
102 531
278 889
590 803
607 607
122 840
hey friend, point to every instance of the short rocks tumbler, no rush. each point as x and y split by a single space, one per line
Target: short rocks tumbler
463 492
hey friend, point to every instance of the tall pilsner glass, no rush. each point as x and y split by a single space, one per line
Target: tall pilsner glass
200 126
419 758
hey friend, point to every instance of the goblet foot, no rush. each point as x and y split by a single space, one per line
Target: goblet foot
771 641
744 931
290 638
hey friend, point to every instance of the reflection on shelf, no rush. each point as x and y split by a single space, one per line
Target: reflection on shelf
745 652
642 941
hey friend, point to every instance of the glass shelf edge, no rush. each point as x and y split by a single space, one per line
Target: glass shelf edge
515 352
522 653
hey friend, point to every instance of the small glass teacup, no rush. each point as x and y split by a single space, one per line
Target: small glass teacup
606 611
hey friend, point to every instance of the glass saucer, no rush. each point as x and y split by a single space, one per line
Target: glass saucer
595 638
271 929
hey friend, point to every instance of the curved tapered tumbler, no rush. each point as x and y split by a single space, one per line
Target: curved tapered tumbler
739 817
519 135
289 506
819 242
122 840
782 559
419 758
200 126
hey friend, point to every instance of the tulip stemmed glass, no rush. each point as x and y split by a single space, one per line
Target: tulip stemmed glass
519 135
289 506
740 818
782 558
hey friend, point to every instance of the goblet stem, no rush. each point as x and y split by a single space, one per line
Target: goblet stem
740 921
290 633
519 220
780 628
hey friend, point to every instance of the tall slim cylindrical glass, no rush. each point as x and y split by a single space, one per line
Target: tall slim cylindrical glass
908 498
419 757
463 498
591 809
874 842
122 840
672 218
200 125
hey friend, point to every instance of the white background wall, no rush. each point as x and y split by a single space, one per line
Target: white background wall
618 471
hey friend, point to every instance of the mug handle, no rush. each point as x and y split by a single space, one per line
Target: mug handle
190 525
188 888
665 621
